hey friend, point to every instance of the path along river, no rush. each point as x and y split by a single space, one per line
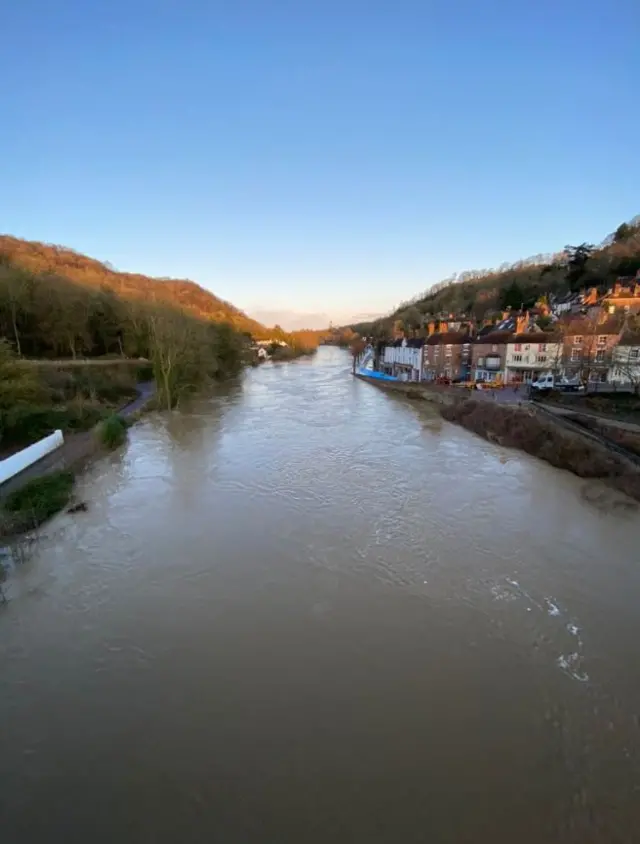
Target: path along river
303 610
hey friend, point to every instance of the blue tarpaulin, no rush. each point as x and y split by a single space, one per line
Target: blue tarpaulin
376 376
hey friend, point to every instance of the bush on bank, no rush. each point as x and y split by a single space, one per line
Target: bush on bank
112 432
36 501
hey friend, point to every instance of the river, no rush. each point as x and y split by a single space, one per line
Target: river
304 610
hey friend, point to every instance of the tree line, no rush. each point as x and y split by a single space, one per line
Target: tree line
46 315
481 294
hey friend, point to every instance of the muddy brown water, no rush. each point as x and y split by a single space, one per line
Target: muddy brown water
303 610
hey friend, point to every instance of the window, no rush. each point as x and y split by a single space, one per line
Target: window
575 354
527 347
494 348
577 340
542 347
634 354
518 347
517 358
600 356
602 340
541 358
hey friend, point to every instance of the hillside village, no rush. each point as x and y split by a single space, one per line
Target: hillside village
584 326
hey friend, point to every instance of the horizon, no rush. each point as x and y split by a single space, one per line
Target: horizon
318 163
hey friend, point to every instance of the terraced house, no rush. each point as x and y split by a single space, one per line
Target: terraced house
529 355
588 346
489 352
447 355
403 358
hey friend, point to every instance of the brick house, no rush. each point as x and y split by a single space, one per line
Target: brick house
489 353
624 296
588 347
447 355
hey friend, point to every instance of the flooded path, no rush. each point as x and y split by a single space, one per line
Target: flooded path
303 610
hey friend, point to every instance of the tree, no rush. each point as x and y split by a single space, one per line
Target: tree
18 386
624 232
577 260
412 319
14 290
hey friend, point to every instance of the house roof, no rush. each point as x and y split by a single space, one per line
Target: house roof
495 338
535 337
630 338
571 326
449 338
411 342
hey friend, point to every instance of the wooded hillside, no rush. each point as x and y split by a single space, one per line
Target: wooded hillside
481 294
56 262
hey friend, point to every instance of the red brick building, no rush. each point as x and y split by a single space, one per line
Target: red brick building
447 355
489 355
588 346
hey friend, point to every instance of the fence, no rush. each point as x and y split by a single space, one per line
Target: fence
18 462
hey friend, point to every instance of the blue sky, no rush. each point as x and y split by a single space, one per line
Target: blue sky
332 157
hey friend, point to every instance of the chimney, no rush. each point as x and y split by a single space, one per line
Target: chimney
522 323
592 296
636 286
505 315
617 287
431 328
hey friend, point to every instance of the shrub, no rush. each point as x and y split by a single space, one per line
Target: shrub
112 432
38 500
26 423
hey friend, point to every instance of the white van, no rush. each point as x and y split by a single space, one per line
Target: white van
548 381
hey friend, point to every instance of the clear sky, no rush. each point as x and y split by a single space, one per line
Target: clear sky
318 155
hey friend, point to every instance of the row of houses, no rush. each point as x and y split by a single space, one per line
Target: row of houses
594 348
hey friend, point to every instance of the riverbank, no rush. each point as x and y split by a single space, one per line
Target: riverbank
524 428
519 425
62 464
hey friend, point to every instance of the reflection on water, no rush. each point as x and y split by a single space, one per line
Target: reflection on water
302 610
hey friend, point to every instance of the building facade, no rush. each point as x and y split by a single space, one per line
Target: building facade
447 355
529 355
625 366
403 359
624 296
488 356
588 347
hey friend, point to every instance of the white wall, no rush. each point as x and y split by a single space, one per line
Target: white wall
19 461
529 354
406 355
625 368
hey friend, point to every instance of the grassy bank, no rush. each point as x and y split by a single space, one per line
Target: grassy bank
35 502
36 400
522 428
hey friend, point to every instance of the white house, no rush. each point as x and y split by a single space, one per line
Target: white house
625 363
528 355
403 358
